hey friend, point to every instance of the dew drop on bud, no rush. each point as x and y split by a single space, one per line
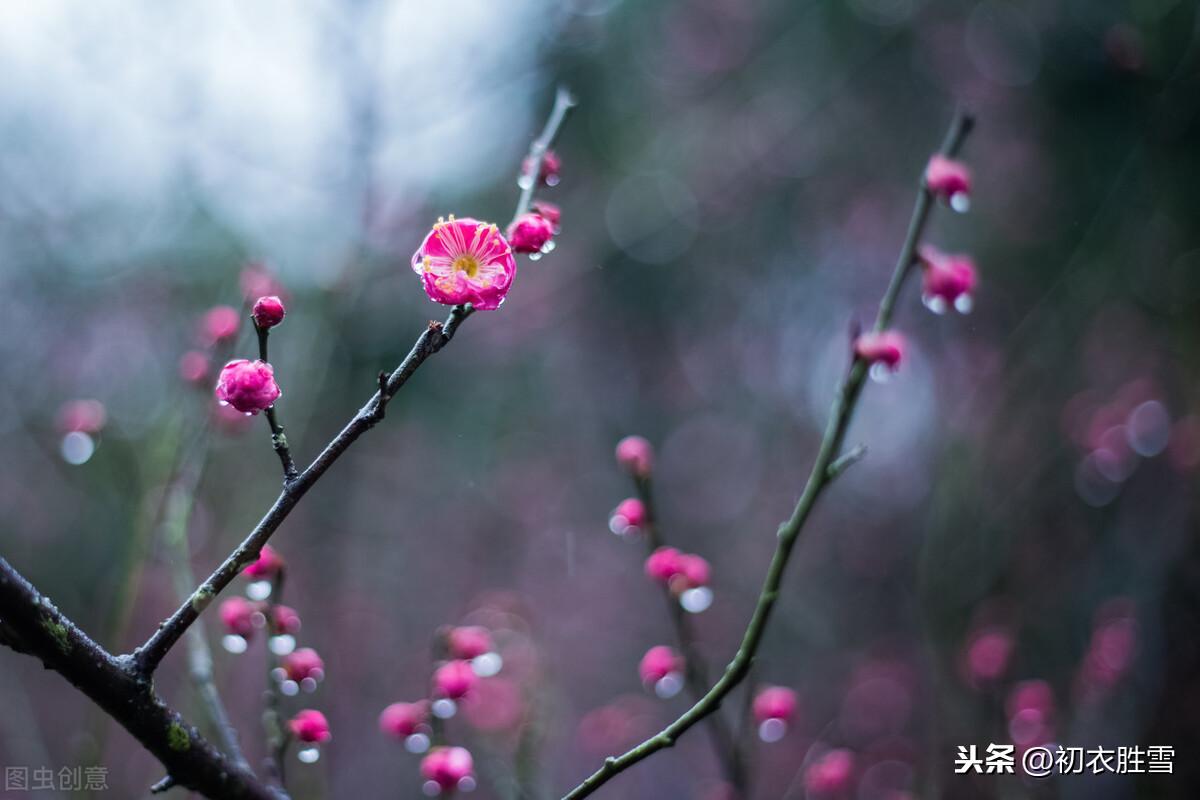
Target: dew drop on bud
881 373
309 755
525 181
309 685
934 303
233 643
548 246
283 644
552 180
669 685
960 202
772 730
289 688
445 708
77 447
696 600
487 665
964 303
279 674
258 590
537 256
466 784
431 789
416 743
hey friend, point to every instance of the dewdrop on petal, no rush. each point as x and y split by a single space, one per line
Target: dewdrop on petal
446 769
949 180
465 261
691 583
661 669
628 517
547 174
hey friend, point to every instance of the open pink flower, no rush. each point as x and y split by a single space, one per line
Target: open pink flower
304 663
404 719
529 233
658 663
237 615
469 641
775 702
267 565
248 386
636 455
447 766
454 679
310 726
949 280
950 180
465 261
884 347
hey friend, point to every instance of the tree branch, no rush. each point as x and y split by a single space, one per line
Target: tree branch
434 338
278 439
820 477
116 686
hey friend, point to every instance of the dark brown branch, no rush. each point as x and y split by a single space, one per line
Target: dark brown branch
278 440
115 684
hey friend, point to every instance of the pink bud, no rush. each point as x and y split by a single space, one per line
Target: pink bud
947 277
248 386
284 620
267 565
447 766
694 571
237 615
550 211
884 347
948 178
664 564
469 641
631 512
548 174
988 653
304 663
268 311
454 679
310 726
775 702
658 663
636 455
194 366
82 416
831 773
219 323
529 233
404 719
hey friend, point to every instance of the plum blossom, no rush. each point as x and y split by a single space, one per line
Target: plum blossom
882 347
948 281
447 767
237 615
267 565
469 641
310 726
268 311
454 679
248 386
636 455
402 720
304 663
465 261
949 180
529 233
658 663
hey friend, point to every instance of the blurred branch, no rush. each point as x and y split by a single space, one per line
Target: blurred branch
278 440
695 672
820 477
436 336
116 685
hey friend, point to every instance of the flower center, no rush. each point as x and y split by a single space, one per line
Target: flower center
466 263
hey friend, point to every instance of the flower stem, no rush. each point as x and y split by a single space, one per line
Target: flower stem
278 439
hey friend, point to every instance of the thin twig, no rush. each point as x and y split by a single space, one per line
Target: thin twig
819 477
436 336
278 440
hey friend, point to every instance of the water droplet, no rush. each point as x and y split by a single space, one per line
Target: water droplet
445 708
669 685
535 256
552 180
309 755
487 665
279 674
548 246
696 600
234 644
880 372
258 590
283 644
1148 429
431 788
960 202
934 303
964 303
258 619
466 784
309 684
618 524
772 730
77 447
525 181
416 743
289 688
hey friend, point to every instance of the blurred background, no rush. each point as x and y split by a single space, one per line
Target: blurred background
1016 561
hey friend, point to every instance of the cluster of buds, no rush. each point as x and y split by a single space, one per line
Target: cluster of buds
469 655
686 575
948 280
774 708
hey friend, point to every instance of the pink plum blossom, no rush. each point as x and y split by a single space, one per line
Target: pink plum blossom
882 347
237 615
632 512
636 455
948 278
664 564
304 663
268 311
248 386
658 663
694 572
267 565
402 720
284 620
465 261
454 679
529 233
774 702
310 726
469 641
447 766
949 180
